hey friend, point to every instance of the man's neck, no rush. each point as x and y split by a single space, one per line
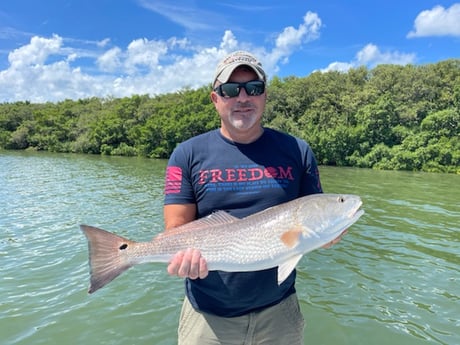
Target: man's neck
243 137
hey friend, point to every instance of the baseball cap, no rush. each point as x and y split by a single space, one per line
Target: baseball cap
238 58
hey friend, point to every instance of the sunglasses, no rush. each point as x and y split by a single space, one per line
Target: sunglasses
252 88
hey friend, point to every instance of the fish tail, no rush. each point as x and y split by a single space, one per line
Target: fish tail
107 256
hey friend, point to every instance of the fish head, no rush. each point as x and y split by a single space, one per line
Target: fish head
326 216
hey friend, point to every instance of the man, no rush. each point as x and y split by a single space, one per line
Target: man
241 168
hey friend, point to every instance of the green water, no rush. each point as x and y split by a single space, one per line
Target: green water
394 279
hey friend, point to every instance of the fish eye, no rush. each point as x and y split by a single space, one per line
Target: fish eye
341 199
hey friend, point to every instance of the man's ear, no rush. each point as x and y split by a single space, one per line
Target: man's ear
213 96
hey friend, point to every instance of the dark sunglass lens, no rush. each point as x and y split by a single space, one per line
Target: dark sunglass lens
255 88
230 89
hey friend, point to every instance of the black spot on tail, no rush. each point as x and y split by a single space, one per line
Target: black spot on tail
123 246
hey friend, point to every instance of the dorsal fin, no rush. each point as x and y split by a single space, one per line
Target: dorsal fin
216 218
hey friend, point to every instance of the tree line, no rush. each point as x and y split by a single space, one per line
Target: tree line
389 117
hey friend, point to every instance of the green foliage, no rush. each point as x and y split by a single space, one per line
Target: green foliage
443 123
390 117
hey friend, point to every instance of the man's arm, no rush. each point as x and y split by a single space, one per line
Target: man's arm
178 214
188 263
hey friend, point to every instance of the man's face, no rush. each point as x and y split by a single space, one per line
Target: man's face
241 114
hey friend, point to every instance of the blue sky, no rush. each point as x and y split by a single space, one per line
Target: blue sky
56 49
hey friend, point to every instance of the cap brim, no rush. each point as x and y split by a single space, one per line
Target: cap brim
227 71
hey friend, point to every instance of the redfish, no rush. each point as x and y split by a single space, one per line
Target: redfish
276 237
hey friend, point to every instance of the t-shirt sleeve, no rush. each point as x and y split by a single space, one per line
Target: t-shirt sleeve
311 183
178 184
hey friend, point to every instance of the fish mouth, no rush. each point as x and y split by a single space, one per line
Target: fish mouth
357 212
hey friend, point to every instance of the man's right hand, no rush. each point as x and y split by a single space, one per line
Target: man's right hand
188 264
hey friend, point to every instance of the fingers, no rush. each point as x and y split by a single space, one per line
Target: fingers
336 240
203 272
188 264
174 264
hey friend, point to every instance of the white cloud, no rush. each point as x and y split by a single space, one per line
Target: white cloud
338 66
291 38
229 41
36 52
110 61
55 68
104 42
371 56
438 21
7 32
187 15
142 53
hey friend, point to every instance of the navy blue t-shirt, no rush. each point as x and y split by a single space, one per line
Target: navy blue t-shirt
217 174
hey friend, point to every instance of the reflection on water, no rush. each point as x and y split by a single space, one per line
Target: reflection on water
394 279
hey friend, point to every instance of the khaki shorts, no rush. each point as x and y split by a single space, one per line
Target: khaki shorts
280 324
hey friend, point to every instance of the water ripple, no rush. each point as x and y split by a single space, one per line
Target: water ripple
392 280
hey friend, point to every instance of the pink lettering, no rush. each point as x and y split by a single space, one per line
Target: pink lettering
271 172
203 176
216 176
255 174
242 175
231 176
286 173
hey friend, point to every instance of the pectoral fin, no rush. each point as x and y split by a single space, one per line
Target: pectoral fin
286 268
291 237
